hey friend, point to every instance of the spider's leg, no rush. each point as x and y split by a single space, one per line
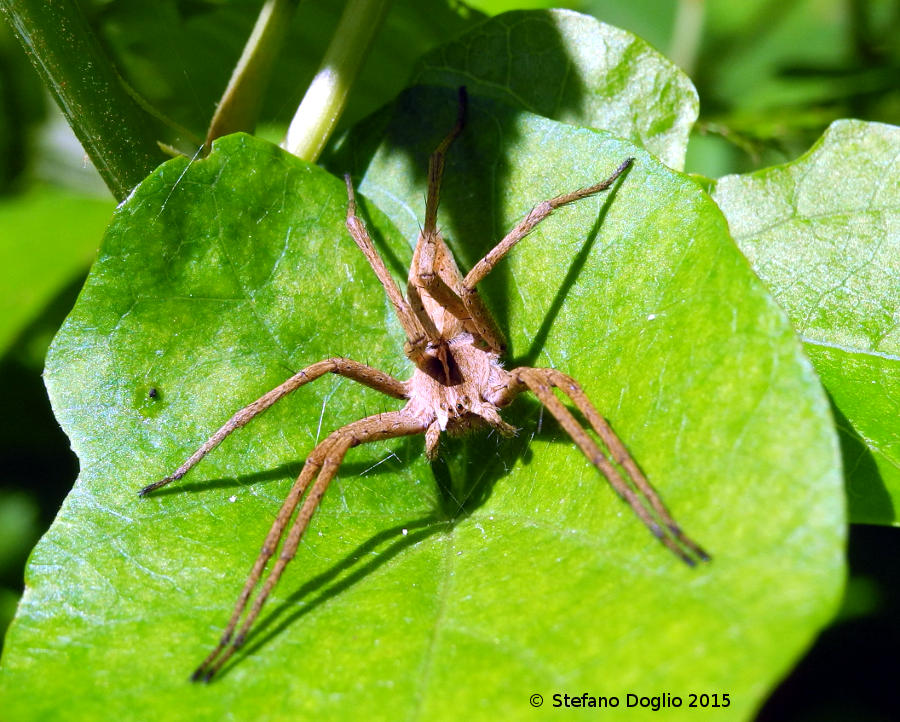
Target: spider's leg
527 224
620 454
540 382
434 262
430 247
434 269
418 325
476 311
344 367
324 461
310 468
436 167
416 334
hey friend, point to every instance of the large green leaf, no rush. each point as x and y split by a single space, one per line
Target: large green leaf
824 233
507 568
573 68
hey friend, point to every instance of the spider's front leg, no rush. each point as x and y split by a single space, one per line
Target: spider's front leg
434 271
470 298
354 370
322 463
537 214
637 491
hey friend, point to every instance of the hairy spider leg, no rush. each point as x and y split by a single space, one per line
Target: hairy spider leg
269 546
468 292
540 382
323 462
434 270
464 301
436 164
527 224
620 454
366 375
418 334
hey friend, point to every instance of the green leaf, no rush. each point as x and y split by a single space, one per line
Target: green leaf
19 529
573 68
36 259
822 233
507 568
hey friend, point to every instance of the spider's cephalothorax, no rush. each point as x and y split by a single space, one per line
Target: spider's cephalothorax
458 385
460 394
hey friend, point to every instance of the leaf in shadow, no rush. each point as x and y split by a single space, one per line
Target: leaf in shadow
573 68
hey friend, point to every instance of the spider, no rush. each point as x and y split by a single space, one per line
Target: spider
458 385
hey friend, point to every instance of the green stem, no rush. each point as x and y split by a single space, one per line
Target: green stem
326 96
116 132
239 108
687 34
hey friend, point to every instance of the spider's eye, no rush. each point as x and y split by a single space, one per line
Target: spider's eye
459 407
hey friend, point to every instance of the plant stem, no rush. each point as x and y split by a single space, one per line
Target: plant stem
326 96
239 107
687 34
116 132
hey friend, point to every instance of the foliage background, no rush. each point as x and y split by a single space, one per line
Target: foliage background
771 76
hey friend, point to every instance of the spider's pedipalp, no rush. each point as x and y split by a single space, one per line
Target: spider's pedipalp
432 440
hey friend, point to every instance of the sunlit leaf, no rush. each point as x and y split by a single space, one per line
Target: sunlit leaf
507 568
824 233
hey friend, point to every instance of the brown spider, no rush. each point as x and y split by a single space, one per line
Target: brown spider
458 385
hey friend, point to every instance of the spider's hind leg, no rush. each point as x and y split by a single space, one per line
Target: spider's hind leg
323 463
637 491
